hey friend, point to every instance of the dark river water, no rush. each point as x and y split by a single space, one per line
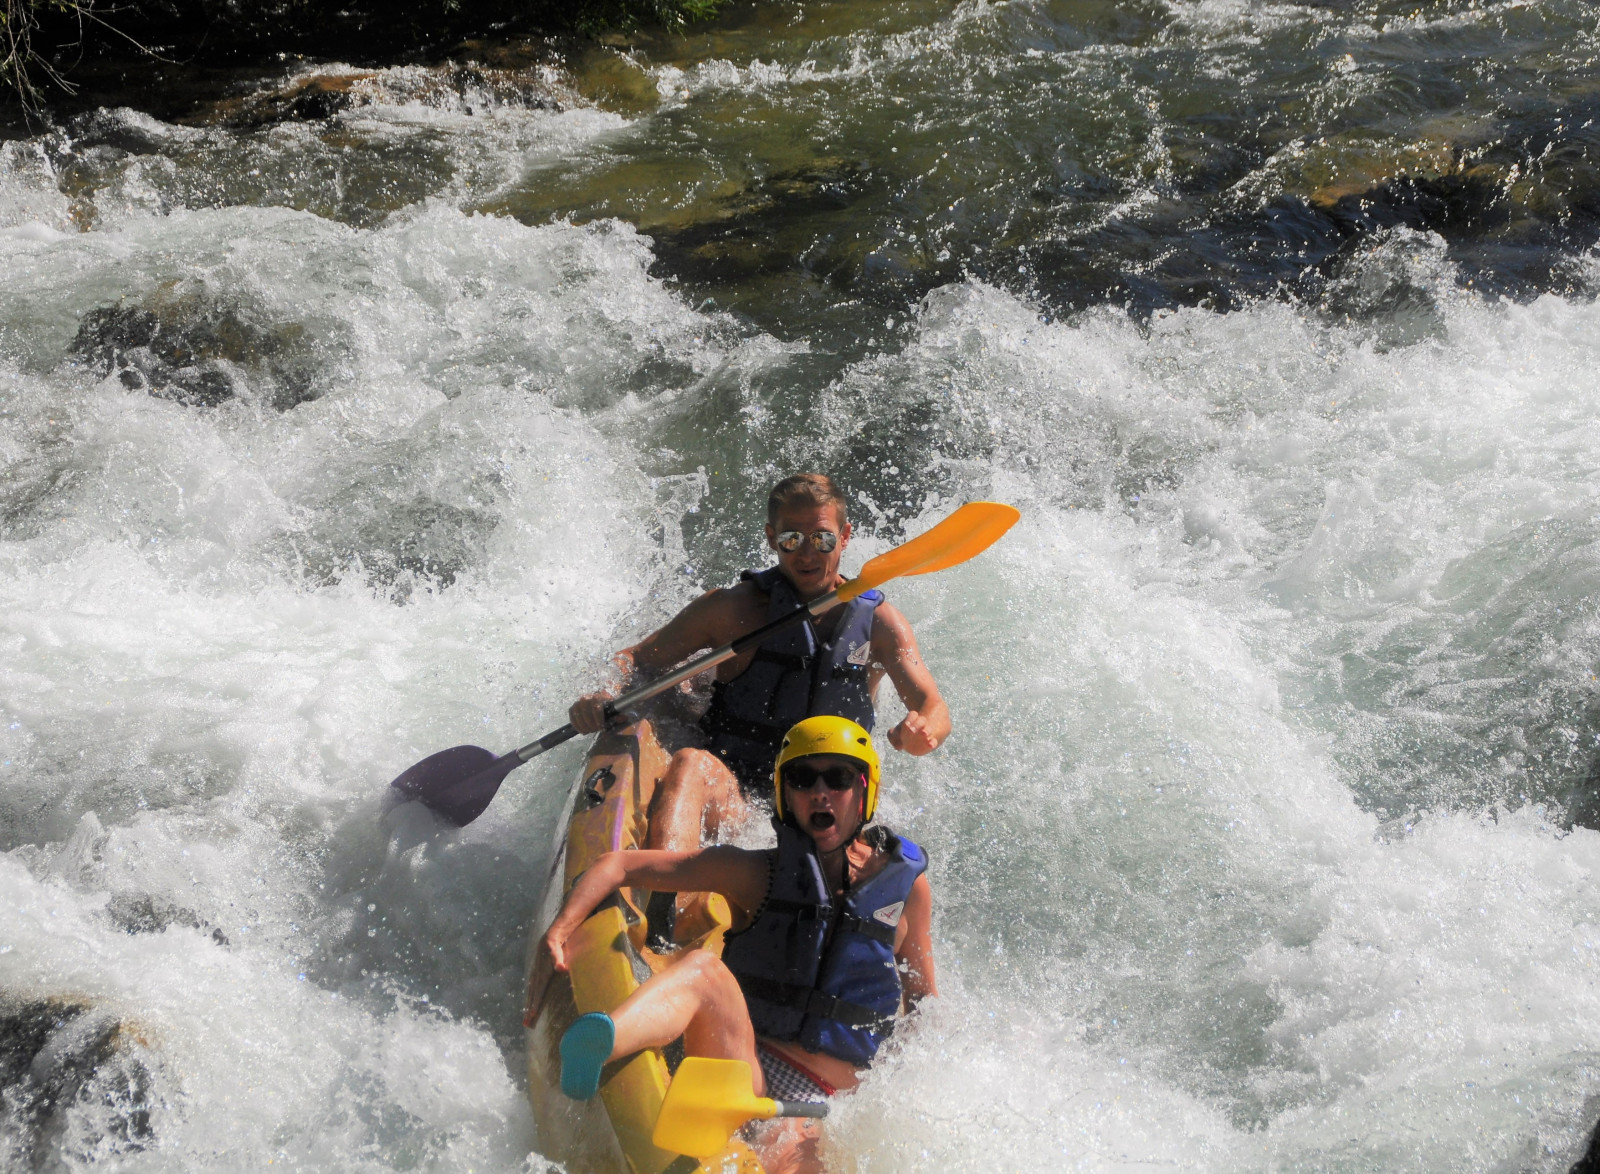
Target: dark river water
347 414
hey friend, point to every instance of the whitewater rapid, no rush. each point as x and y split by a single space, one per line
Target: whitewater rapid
1261 841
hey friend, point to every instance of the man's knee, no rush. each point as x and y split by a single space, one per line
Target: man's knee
691 760
684 775
701 770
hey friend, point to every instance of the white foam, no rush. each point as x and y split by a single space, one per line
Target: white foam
1145 832
248 1062
200 717
31 205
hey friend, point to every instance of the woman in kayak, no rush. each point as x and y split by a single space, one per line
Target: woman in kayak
830 940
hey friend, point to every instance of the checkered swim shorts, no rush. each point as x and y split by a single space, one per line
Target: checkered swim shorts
787 1081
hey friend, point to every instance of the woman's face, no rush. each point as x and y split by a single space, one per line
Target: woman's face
830 817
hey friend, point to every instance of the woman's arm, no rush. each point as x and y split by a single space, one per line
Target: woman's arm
739 875
914 951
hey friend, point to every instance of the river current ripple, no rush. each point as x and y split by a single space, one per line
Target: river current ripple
351 413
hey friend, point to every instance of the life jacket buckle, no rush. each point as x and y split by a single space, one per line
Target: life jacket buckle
825 1006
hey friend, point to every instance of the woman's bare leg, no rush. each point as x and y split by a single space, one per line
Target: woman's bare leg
698 998
697 795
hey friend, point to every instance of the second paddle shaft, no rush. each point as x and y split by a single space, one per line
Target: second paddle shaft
678 675
800 1109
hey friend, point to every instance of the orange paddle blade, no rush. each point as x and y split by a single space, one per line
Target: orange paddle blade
968 532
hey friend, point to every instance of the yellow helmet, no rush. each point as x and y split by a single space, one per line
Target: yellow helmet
828 735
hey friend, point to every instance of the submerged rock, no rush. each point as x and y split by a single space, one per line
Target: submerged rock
142 913
1589 1163
1461 205
186 344
72 1085
396 538
1388 287
304 99
768 225
321 95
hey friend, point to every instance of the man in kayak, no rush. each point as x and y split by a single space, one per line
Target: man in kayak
830 941
828 665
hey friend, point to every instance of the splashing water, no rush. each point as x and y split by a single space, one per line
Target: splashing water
1264 839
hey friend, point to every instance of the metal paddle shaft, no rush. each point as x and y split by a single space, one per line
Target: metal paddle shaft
459 783
678 675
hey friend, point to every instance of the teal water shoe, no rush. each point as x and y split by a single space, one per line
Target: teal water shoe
585 1048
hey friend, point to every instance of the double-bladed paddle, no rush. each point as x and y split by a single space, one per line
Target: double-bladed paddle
709 1100
459 783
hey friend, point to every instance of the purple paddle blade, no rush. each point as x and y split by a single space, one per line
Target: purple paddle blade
457 783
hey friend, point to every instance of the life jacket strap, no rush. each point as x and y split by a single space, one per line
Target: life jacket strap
803 910
719 721
814 1002
876 930
790 661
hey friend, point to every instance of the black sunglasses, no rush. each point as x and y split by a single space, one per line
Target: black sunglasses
837 777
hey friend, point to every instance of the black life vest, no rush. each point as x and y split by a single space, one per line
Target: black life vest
821 975
792 676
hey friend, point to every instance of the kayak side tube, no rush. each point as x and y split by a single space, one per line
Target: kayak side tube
611 1134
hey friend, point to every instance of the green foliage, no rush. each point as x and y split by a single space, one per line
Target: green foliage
20 63
597 16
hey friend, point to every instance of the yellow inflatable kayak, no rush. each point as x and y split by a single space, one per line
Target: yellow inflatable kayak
610 1134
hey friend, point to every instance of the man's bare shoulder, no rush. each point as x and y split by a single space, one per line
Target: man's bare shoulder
731 611
744 593
890 624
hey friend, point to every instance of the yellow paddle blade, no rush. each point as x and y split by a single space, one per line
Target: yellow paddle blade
969 531
707 1102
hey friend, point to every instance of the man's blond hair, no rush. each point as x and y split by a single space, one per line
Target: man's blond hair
810 489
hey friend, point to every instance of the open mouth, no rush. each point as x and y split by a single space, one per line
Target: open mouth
822 820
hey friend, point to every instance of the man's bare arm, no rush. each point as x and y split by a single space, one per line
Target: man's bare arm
708 622
927 721
915 949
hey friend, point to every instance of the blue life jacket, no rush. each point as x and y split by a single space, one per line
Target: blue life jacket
821 975
792 676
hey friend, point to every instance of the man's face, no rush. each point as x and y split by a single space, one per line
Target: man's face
811 571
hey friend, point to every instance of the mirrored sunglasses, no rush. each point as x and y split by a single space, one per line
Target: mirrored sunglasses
823 540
